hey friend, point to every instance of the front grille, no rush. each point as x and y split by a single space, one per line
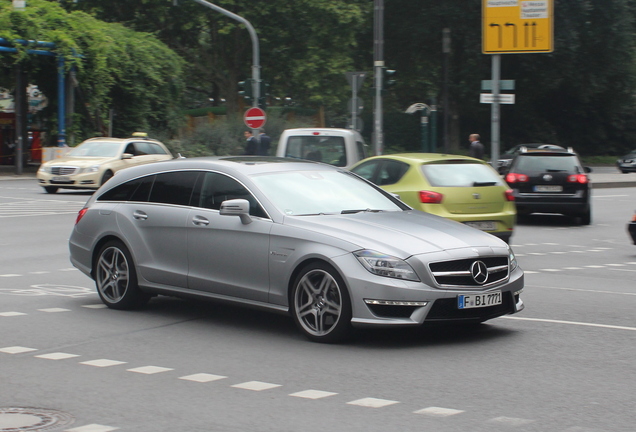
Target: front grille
446 309
457 273
62 170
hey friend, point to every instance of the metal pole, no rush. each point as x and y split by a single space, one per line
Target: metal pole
61 101
433 148
354 97
256 67
494 112
446 40
378 64
424 123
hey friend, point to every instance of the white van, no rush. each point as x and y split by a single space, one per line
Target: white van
339 147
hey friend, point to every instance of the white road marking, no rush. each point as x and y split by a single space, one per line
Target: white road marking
510 421
10 314
202 377
92 428
586 290
103 363
149 370
438 412
53 310
607 326
313 394
256 385
373 402
16 350
57 356
95 306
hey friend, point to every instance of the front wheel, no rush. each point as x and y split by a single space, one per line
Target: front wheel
107 176
116 278
50 189
320 304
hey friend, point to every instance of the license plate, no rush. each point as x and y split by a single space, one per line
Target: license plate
548 188
61 179
479 300
483 225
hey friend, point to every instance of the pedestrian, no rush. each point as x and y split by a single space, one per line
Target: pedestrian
476 147
250 144
264 142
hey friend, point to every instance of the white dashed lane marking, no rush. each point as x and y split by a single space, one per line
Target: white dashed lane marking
39 208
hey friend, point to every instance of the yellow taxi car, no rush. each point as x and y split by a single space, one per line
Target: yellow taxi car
93 162
459 188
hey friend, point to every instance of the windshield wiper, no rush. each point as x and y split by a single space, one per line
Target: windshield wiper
361 210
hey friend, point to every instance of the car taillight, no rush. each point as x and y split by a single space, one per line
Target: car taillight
81 214
578 178
428 197
509 195
516 178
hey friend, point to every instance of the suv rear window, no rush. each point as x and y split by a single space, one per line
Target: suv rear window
327 149
548 163
460 174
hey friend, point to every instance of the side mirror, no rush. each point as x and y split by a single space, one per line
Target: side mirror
237 207
587 169
126 156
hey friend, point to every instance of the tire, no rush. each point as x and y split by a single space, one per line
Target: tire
107 176
116 278
50 189
320 304
586 218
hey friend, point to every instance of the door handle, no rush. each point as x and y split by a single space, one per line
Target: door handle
200 220
139 215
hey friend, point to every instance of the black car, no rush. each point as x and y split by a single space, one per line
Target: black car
507 157
551 181
627 163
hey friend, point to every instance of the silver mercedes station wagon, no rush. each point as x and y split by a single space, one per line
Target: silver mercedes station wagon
297 237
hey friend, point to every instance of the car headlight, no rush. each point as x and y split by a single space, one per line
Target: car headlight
386 265
513 260
45 169
90 169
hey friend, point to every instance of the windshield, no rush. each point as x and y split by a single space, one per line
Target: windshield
322 192
96 149
460 174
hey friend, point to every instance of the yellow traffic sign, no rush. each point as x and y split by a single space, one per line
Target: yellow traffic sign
517 26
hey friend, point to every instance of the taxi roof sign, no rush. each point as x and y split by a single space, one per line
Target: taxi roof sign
517 26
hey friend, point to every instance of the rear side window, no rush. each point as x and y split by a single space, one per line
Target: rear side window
391 172
327 149
134 190
460 174
174 187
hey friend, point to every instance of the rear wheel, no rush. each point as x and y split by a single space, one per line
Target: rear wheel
50 189
320 304
586 218
116 278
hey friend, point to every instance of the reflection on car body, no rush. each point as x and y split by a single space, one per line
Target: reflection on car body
296 237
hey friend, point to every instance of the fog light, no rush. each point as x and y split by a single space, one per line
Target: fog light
395 302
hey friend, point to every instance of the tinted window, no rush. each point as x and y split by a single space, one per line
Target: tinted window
134 190
216 188
391 172
460 174
555 163
173 187
156 149
143 148
318 148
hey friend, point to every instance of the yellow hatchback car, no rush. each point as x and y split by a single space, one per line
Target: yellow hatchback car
460 188
93 162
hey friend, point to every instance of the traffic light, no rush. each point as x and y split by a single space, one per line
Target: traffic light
387 78
245 89
264 95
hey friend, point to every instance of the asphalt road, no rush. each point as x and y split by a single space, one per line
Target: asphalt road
564 364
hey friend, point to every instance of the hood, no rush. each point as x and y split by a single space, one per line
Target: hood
401 234
78 162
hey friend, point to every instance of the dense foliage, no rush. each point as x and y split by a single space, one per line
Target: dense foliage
581 95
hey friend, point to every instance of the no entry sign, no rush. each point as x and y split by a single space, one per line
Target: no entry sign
254 118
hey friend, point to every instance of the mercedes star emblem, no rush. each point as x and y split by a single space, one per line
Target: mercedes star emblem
479 272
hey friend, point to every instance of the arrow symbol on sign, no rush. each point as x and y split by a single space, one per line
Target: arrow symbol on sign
514 34
500 35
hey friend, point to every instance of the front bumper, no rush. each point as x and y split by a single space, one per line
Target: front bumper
76 181
440 303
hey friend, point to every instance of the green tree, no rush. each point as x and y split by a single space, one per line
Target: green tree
133 73
306 46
